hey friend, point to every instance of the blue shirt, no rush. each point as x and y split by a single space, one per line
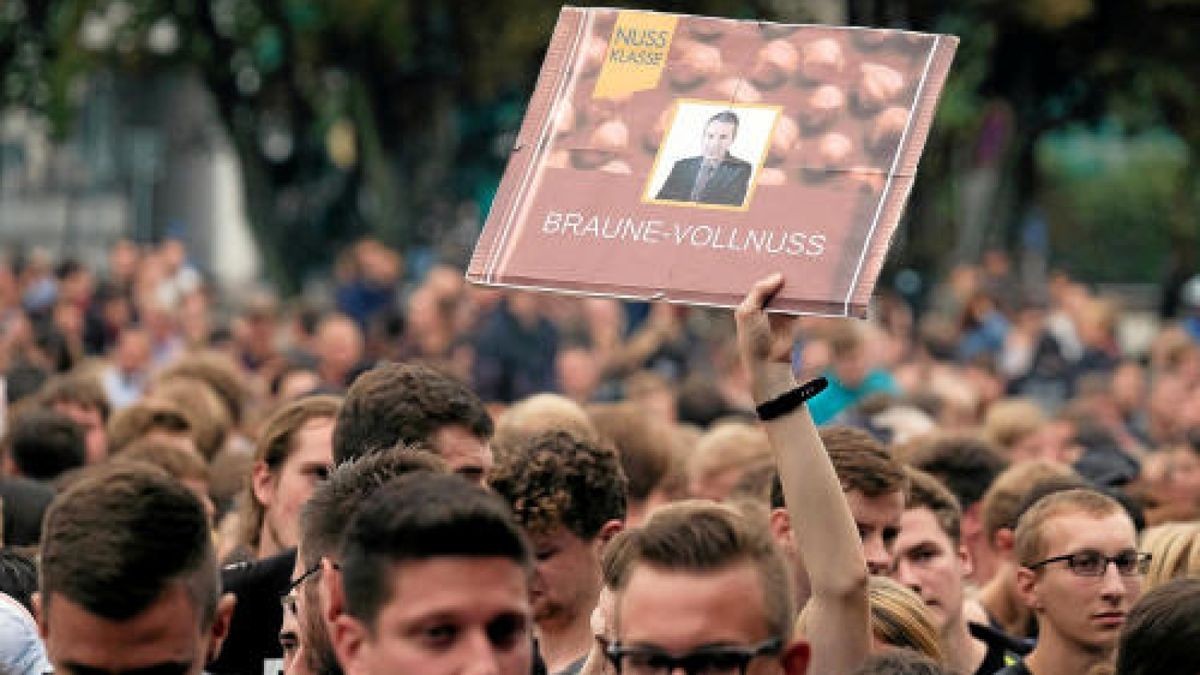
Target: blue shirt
838 397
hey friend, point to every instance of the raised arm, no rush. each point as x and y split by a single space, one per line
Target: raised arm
838 623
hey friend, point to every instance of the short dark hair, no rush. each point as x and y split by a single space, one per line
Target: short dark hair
44 444
861 463
964 463
404 403
726 117
118 536
18 577
418 518
557 479
1161 632
334 502
927 492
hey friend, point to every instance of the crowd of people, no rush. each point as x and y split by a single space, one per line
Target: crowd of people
416 475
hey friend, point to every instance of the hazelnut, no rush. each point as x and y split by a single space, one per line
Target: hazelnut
589 158
833 151
612 136
822 108
785 140
870 39
736 90
564 118
705 30
772 176
776 63
598 110
878 87
654 135
887 129
821 60
594 51
693 63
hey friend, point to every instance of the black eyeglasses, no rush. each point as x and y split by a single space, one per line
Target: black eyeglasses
1095 564
288 598
703 661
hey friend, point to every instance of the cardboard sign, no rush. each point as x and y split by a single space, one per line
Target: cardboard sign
681 158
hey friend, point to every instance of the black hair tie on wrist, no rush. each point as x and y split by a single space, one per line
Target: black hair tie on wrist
789 401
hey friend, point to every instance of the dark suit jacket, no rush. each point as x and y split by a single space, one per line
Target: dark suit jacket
727 185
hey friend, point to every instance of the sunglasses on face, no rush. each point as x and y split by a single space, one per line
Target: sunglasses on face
722 660
1094 563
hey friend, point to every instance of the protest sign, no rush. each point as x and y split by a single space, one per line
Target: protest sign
680 158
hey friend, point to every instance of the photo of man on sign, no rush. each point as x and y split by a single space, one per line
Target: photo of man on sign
719 169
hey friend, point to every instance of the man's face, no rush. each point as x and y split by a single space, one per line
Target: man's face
928 562
566 578
94 435
449 615
1086 612
164 638
878 521
677 612
465 453
291 488
718 137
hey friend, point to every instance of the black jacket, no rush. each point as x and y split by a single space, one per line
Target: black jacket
727 185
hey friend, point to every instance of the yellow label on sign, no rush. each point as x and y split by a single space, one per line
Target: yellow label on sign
637 54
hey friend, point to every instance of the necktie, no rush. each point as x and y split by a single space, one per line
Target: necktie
702 178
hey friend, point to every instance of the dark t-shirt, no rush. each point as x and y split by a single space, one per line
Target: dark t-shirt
258 616
25 503
1002 649
1017 668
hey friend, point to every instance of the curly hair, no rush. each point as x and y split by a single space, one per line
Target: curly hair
404 403
557 479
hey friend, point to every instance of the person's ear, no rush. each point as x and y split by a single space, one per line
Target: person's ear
333 598
262 483
795 658
781 527
609 530
1003 541
350 642
965 559
222 620
1027 588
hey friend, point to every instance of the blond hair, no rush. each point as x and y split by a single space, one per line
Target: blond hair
729 446
1029 546
1174 550
899 618
1010 421
539 414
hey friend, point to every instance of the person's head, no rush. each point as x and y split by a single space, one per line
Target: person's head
568 495
1162 632
323 523
538 414
1174 550
82 399
1002 502
184 466
645 446
698 574
293 454
930 559
719 132
1064 544
848 350
339 348
435 573
721 458
44 444
414 404
131 354
875 485
220 373
207 415
1012 425
964 463
900 619
150 419
129 577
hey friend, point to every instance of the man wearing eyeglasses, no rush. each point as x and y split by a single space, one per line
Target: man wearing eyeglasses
701 590
1080 572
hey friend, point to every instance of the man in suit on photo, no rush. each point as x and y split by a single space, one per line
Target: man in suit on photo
715 176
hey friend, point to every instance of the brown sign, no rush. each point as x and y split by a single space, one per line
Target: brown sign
681 158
